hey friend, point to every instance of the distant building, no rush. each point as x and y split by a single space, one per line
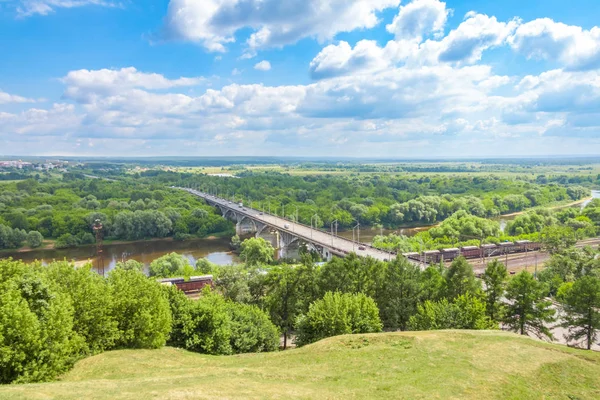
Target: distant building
194 285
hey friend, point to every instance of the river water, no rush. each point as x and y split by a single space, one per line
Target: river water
215 250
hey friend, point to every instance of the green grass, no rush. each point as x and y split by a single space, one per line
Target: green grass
412 365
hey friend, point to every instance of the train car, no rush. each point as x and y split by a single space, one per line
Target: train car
412 256
470 251
510 247
489 249
450 254
432 256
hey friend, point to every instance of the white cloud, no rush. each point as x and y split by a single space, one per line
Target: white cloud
82 83
474 35
27 8
418 19
263 66
572 46
6 98
342 59
213 23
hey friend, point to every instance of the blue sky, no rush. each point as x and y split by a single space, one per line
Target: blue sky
373 78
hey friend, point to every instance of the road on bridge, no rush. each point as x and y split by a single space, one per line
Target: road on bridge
338 244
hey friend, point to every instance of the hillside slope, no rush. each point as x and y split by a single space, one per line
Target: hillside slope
411 365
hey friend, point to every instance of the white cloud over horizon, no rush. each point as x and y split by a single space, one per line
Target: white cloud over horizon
27 8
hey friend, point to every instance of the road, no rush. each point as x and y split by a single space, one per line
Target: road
338 244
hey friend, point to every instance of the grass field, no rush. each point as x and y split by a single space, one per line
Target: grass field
411 365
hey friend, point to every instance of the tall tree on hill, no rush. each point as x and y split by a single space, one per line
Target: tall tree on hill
400 292
527 310
460 279
495 278
581 302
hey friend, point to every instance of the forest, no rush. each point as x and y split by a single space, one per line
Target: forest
134 205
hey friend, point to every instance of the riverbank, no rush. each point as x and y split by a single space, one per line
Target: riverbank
49 243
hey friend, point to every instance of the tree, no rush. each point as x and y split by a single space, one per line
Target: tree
494 278
168 265
251 329
92 304
338 314
433 283
460 279
130 265
528 311
400 292
37 341
140 308
256 251
34 239
556 238
581 303
465 312
282 298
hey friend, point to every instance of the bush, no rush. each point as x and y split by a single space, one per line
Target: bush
251 329
338 314
34 239
141 309
37 341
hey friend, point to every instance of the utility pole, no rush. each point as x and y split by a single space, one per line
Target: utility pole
99 250
332 235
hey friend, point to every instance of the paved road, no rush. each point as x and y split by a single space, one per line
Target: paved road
339 244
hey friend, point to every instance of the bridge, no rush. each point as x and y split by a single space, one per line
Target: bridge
288 235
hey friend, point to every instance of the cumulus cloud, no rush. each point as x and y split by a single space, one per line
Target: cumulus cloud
81 83
263 66
213 23
418 19
6 98
474 35
572 46
342 59
27 8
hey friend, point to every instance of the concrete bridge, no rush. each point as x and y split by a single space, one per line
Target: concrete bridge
286 235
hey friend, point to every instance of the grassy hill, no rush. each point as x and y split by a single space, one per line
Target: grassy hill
411 365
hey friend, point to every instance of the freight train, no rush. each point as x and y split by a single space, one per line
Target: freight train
486 250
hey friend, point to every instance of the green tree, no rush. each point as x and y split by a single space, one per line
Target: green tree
92 304
251 329
168 265
460 279
37 341
464 312
256 251
34 239
130 265
399 294
282 299
433 283
527 310
140 308
494 278
556 238
338 314
581 303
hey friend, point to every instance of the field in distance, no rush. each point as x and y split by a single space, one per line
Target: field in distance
410 365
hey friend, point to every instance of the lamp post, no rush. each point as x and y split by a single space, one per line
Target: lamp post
357 227
294 225
316 218
336 226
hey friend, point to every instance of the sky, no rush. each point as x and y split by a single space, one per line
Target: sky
351 78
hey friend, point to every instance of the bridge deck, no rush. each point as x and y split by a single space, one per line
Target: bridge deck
338 244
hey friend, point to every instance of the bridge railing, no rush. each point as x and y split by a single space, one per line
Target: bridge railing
391 254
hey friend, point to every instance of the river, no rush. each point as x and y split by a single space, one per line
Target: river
215 250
